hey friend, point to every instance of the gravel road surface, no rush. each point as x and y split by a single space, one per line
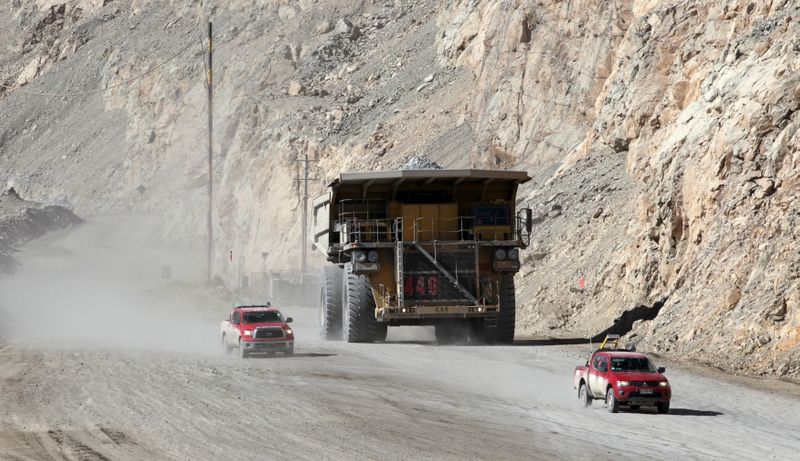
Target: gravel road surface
155 385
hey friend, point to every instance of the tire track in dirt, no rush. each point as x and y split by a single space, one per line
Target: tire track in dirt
23 435
67 444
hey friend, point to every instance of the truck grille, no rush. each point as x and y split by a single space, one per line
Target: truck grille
263 333
644 383
425 284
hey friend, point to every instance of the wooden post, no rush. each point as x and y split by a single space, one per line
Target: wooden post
210 87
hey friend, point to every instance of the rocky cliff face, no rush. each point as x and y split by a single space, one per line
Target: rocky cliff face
701 99
661 135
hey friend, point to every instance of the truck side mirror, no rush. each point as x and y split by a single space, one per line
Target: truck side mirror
289 320
528 220
662 369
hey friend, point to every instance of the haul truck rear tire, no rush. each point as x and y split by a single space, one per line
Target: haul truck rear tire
452 332
507 316
330 305
381 331
359 323
479 333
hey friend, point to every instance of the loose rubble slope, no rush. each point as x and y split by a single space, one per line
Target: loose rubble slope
22 221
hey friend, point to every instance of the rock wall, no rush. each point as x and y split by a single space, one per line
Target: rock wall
661 135
700 98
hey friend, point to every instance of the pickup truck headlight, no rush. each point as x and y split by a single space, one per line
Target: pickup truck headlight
663 384
513 254
248 332
288 331
499 254
372 256
623 383
359 256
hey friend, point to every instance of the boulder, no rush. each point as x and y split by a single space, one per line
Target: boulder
296 88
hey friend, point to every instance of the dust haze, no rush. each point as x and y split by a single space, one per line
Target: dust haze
101 285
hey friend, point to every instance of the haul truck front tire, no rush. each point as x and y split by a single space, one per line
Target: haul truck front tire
330 306
359 323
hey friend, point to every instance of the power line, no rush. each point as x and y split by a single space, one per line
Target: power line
17 89
304 225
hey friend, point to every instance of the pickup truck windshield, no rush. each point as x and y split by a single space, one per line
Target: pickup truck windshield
260 317
632 364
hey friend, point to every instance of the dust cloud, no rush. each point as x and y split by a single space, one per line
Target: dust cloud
101 285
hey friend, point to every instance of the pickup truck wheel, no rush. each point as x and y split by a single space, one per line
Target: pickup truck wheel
225 347
330 303
242 351
662 407
359 323
506 318
611 401
583 396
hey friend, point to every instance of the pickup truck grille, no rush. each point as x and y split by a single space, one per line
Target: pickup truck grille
644 383
263 333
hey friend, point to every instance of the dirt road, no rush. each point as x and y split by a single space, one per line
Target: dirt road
388 401
174 395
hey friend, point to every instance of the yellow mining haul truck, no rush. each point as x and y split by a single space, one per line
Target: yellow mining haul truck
421 247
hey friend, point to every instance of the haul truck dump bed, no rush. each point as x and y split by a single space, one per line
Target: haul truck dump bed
421 247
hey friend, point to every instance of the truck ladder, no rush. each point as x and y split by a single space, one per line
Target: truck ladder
398 248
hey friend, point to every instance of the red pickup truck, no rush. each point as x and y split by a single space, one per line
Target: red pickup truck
253 329
622 378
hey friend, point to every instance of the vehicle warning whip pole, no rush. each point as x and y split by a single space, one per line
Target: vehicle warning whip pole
210 87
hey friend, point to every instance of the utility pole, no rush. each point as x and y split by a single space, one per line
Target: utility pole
210 87
304 229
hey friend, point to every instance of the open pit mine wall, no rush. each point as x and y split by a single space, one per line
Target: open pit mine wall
701 99
662 137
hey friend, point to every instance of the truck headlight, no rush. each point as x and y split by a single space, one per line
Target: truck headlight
663 384
623 383
513 254
248 332
359 256
499 254
372 256
288 331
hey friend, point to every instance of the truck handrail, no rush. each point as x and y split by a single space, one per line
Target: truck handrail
356 227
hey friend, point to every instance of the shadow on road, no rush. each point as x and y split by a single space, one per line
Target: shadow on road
689 412
422 343
295 355
554 341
